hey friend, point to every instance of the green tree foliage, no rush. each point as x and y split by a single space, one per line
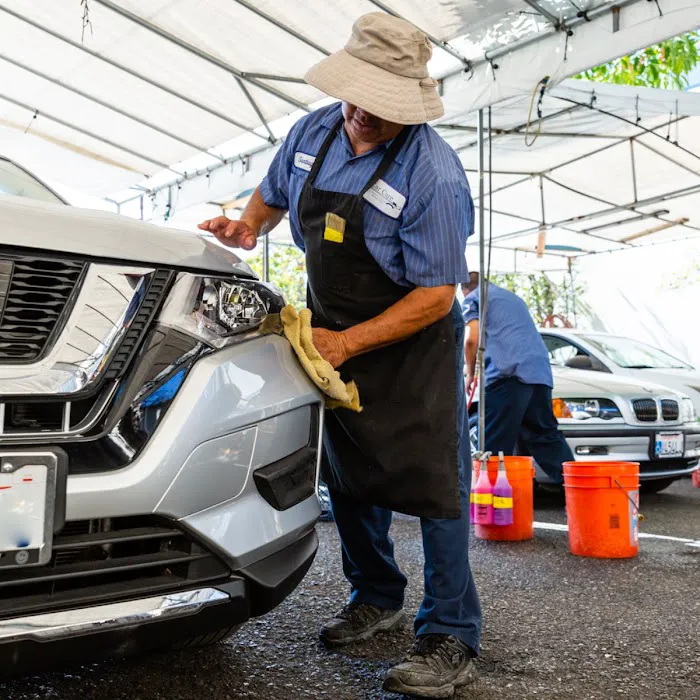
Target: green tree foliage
546 297
287 271
665 65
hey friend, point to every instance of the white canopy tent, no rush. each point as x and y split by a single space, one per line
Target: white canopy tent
116 94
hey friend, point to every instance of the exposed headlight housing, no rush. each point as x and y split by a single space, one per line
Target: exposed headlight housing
688 412
583 409
220 311
231 307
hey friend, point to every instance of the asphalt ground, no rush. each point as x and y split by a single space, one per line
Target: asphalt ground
555 626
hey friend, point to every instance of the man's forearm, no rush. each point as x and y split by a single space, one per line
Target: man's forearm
260 217
471 347
416 311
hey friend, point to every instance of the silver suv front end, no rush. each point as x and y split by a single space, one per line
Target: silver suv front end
181 443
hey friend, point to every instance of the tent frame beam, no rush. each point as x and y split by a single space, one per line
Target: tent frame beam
133 73
109 106
256 108
519 132
278 78
195 51
281 25
613 209
85 132
444 45
552 19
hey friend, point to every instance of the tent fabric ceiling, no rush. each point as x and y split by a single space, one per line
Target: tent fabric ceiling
577 181
612 167
145 86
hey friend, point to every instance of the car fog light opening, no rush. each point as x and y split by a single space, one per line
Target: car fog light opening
592 450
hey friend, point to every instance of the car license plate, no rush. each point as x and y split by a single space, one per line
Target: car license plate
669 445
27 508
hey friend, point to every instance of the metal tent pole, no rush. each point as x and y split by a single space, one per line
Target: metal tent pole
482 285
266 258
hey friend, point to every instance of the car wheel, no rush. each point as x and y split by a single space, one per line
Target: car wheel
654 486
205 640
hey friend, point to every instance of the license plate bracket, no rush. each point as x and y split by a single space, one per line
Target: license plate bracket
669 445
32 504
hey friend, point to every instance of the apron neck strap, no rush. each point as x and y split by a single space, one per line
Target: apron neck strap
321 155
396 145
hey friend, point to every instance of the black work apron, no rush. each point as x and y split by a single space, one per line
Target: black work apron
400 452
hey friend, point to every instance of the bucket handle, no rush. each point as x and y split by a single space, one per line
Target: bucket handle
634 505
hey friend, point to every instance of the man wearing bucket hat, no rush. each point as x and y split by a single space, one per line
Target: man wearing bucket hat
381 206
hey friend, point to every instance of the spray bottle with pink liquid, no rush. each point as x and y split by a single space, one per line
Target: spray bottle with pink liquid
482 494
502 496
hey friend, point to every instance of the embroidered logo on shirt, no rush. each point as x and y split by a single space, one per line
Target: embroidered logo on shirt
386 199
335 228
303 160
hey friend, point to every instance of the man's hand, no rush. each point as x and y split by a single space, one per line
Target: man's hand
331 346
468 383
235 234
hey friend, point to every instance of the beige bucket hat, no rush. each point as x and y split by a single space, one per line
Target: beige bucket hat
383 69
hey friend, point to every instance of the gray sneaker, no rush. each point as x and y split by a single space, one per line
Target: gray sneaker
437 665
358 622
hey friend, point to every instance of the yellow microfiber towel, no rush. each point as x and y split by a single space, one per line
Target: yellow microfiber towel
296 327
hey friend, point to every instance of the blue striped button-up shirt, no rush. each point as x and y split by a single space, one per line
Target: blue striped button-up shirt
424 245
514 346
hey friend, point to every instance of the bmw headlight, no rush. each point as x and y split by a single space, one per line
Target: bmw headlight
220 311
583 409
688 412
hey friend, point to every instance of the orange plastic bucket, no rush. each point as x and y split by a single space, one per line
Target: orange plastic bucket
521 475
602 505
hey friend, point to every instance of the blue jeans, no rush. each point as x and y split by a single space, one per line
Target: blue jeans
450 603
521 414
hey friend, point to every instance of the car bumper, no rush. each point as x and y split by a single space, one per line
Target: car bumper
223 493
56 638
239 411
635 445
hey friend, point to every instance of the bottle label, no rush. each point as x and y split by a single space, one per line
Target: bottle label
485 499
472 498
501 502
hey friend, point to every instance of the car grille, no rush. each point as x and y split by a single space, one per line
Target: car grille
645 410
670 410
107 560
35 297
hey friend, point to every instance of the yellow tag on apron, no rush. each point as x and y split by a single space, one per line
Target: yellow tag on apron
335 228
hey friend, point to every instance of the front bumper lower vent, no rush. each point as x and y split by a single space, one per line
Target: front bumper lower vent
35 298
106 560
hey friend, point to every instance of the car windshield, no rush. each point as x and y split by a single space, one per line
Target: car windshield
19 183
632 354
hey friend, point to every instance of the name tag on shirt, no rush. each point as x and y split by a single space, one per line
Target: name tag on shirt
385 198
303 161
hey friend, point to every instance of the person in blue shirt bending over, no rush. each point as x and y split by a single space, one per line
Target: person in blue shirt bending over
518 378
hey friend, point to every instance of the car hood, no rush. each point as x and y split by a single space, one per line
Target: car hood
688 377
577 383
27 223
